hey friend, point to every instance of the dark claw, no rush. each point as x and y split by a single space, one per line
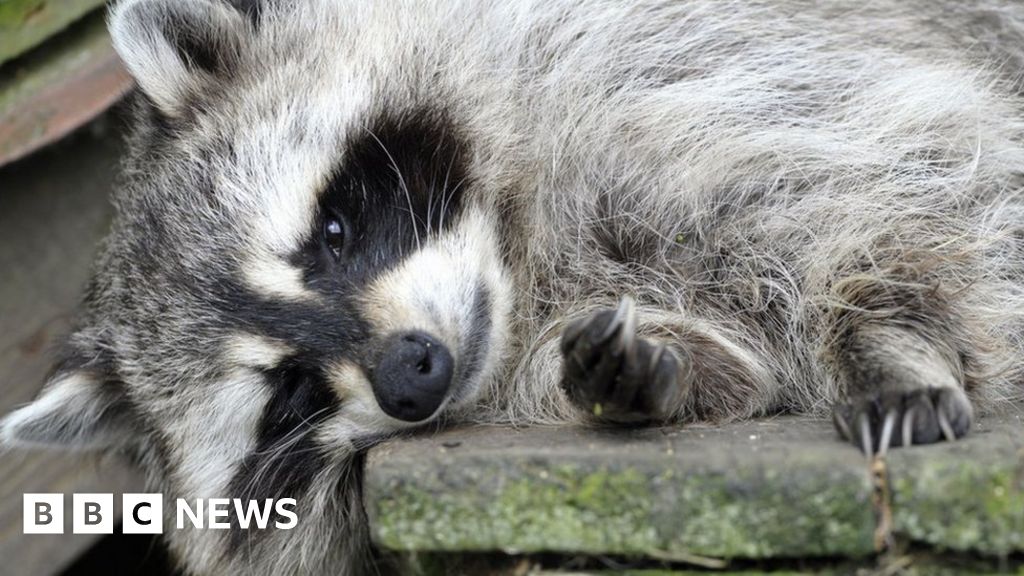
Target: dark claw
875 423
612 372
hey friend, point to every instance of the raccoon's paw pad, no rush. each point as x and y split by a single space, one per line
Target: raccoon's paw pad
615 374
878 422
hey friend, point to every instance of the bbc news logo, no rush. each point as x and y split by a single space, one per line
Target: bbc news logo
143 513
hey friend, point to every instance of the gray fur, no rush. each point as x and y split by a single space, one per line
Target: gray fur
812 205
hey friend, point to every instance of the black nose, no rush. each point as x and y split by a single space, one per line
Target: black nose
412 376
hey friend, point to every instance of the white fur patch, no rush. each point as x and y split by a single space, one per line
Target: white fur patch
67 413
153 61
359 409
216 434
254 351
435 290
275 278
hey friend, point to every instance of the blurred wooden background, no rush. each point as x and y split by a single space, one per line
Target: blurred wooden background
58 155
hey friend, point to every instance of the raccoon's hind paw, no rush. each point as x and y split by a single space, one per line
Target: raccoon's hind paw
617 375
877 422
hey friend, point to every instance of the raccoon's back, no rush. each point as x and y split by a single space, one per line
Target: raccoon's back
654 127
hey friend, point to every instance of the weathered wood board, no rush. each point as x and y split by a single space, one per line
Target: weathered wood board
53 210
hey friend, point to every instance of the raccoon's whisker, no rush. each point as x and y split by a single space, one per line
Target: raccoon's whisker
444 185
269 465
442 200
448 196
293 436
274 457
445 195
412 212
430 210
296 432
402 184
306 423
273 465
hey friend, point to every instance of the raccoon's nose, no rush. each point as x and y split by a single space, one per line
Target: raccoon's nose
412 377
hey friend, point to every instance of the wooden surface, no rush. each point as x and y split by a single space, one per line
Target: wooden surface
25 24
58 87
54 208
743 495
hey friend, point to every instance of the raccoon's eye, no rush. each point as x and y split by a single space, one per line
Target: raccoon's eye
334 235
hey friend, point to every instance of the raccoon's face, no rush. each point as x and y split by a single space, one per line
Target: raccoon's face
302 251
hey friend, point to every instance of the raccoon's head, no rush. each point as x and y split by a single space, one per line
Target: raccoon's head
305 248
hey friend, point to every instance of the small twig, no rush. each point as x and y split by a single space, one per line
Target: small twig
687 558
895 567
882 503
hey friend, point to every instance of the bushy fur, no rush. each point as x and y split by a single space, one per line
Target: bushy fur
810 205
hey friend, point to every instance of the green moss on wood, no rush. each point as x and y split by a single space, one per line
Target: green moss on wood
16 12
59 59
597 511
962 504
25 24
771 492
533 508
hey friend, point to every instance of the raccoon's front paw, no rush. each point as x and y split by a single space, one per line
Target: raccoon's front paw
610 371
877 422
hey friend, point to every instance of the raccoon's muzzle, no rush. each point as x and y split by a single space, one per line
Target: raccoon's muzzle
412 378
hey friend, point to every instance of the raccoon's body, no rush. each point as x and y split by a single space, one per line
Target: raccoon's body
341 220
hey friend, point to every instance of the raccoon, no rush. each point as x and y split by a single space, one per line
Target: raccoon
343 220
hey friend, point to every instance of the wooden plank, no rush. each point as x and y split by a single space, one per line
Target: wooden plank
785 487
28 23
53 211
59 87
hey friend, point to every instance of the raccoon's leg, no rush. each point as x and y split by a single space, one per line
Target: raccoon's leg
898 354
625 371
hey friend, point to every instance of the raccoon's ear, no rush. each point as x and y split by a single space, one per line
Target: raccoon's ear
78 409
177 49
